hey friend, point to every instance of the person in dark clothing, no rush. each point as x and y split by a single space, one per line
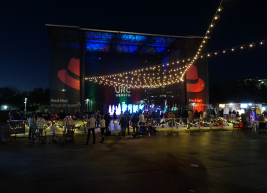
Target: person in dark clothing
102 123
185 115
97 118
135 120
150 116
127 120
62 115
114 116
150 127
107 120
77 115
221 113
46 115
178 114
244 121
123 125
158 118
196 114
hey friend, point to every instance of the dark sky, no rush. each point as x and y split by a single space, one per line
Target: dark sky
24 45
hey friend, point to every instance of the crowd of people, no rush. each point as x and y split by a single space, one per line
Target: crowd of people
96 120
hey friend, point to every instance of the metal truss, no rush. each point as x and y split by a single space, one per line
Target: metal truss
114 41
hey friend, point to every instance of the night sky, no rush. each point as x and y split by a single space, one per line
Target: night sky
25 46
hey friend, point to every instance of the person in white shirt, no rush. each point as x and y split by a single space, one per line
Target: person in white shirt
102 123
91 127
141 119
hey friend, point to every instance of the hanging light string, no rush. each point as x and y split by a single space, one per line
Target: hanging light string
155 76
161 75
204 41
235 48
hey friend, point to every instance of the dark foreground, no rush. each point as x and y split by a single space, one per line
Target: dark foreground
227 163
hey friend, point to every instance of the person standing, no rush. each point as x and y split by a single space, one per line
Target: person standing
150 116
127 120
29 123
247 116
47 115
201 115
114 121
185 115
33 125
244 121
102 123
123 125
40 125
91 127
141 119
135 120
107 119
204 115
114 115
196 115
62 115
190 115
55 117
68 121
97 118
77 115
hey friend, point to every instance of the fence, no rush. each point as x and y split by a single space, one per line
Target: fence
205 124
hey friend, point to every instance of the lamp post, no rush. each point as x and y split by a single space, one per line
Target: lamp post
25 106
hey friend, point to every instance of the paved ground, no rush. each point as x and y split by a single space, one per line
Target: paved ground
227 163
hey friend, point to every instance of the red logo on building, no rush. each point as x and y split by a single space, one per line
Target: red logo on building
74 67
194 84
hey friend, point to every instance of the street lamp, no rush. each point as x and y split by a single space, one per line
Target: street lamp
25 106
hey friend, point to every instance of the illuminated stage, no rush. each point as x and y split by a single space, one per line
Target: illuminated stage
77 53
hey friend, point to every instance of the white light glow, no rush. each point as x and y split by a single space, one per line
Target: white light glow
243 106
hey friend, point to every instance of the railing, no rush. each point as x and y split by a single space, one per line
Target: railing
194 124
168 124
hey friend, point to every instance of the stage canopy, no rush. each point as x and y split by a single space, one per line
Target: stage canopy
97 40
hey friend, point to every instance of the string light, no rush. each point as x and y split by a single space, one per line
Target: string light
171 71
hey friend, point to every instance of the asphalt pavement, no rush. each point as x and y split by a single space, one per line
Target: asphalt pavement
202 162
